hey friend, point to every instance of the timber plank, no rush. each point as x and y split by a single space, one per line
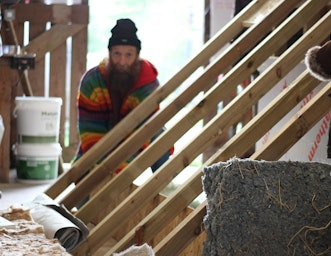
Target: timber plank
34 12
296 127
120 154
7 82
268 117
162 176
163 214
56 13
57 82
51 39
78 67
159 119
18 39
167 209
175 242
121 131
252 132
74 14
183 234
265 9
80 14
37 75
9 79
61 13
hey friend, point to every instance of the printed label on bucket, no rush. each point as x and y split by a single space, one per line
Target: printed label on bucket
36 139
36 169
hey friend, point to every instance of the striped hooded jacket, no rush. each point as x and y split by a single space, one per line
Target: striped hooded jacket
95 111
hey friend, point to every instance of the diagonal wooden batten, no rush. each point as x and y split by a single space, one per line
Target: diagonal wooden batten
249 135
145 108
112 138
305 119
163 213
158 180
188 229
201 84
304 84
26 85
190 189
133 170
322 99
51 39
295 128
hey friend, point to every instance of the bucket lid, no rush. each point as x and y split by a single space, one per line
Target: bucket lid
37 149
38 99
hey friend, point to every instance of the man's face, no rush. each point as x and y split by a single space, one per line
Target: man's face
123 57
124 67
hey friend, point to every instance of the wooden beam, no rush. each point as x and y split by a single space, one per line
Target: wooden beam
132 204
161 216
61 14
80 14
78 67
74 14
297 126
178 238
183 234
7 83
265 9
34 12
270 115
283 103
55 13
22 73
236 77
148 129
121 131
170 205
51 39
265 119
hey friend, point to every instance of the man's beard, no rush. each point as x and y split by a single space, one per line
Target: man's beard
121 80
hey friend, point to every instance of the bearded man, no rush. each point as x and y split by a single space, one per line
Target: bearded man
109 91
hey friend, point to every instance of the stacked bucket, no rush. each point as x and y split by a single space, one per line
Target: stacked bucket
37 149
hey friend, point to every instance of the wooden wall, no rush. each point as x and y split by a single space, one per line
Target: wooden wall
58 31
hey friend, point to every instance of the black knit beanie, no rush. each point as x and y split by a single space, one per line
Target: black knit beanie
124 33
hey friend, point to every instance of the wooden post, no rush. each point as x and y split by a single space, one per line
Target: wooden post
7 82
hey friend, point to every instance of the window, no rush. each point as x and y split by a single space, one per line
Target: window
171 31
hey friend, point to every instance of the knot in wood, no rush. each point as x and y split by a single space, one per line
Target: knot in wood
201 103
279 72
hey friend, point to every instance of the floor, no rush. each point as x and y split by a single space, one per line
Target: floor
17 193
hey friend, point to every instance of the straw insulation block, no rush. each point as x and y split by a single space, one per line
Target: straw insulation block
267 208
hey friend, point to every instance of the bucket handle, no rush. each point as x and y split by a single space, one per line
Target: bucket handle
15 110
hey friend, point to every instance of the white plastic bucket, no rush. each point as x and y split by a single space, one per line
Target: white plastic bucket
37 163
38 119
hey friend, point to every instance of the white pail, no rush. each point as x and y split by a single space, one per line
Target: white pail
38 119
37 163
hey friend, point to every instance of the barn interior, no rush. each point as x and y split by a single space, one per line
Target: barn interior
245 95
